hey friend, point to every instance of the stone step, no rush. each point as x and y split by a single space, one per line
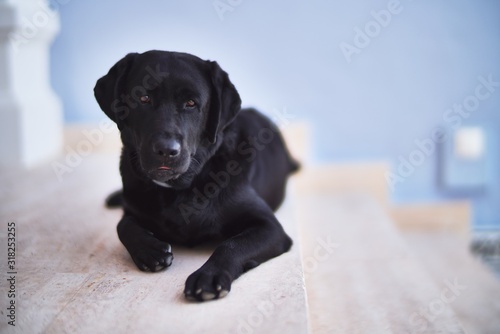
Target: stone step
74 276
360 275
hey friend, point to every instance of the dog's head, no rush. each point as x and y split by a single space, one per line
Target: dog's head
171 108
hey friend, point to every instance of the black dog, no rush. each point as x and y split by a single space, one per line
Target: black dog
195 167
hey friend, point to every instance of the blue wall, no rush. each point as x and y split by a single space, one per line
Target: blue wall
395 89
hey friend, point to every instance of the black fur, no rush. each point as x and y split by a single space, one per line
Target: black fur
195 167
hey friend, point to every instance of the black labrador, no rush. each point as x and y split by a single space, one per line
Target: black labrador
195 167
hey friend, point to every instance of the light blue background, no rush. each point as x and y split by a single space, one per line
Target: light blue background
285 55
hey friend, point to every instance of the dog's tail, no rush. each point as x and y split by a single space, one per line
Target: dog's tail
115 200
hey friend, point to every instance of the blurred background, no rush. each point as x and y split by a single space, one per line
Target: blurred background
374 79
397 99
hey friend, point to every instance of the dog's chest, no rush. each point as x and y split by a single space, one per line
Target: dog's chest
188 220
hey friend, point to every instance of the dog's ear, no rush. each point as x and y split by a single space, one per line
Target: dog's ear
108 88
225 102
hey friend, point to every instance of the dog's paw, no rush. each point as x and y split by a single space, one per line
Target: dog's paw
153 255
207 284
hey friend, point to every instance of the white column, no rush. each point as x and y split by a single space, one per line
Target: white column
30 112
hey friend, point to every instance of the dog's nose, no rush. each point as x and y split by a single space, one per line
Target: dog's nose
169 148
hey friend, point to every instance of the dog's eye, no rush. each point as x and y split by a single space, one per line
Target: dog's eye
145 99
190 104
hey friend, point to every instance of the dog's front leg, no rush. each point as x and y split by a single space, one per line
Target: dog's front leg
262 239
148 253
